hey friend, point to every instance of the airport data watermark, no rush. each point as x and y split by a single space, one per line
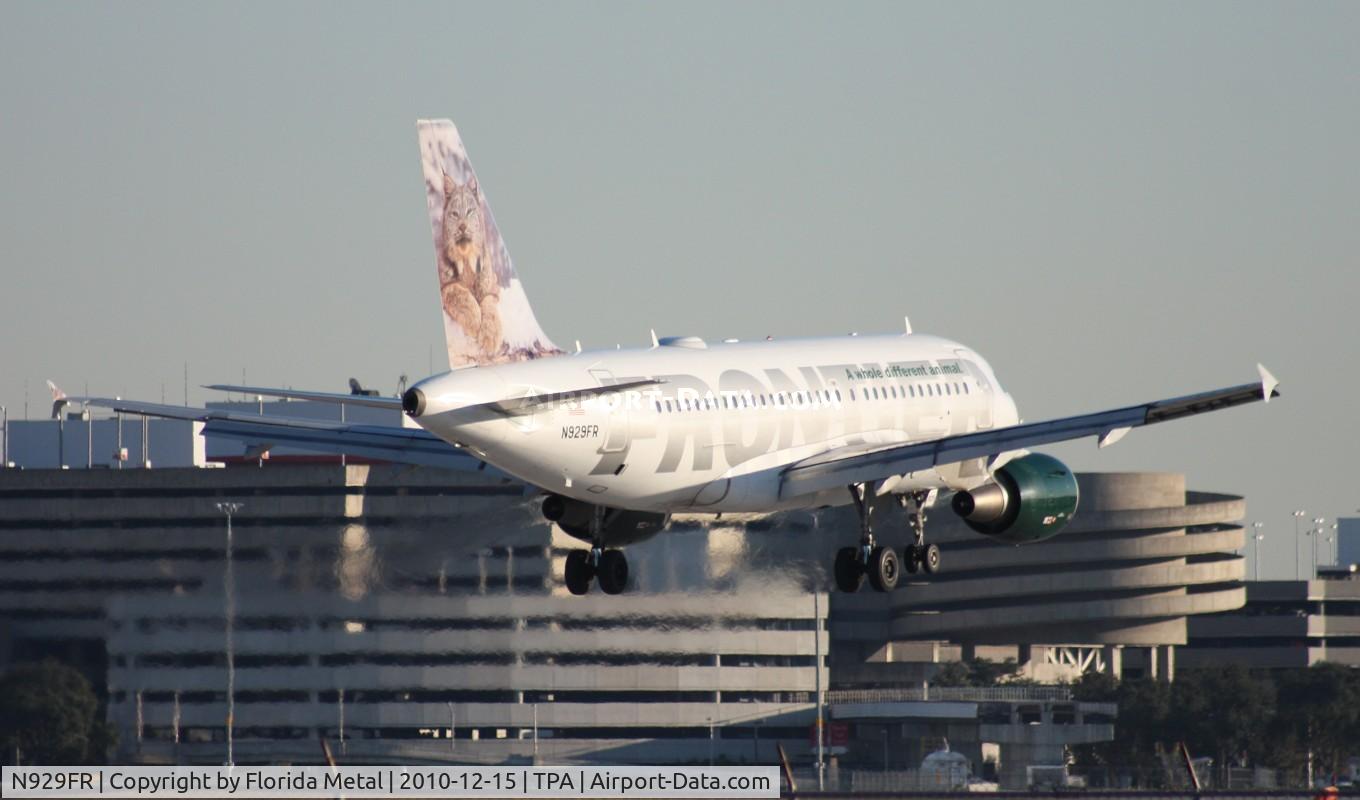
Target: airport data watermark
361 782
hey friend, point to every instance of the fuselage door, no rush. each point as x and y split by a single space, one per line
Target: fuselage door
612 412
981 392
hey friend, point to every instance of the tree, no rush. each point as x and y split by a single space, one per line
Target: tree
1221 712
1319 711
1144 707
977 672
48 713
1096 687
955 673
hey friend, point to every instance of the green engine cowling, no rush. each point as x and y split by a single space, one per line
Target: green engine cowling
1031 499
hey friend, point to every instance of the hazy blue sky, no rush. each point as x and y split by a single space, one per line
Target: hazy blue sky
1114 203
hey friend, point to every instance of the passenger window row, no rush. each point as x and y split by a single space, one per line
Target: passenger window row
806 398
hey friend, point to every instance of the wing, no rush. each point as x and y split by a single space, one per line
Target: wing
382 442
850 465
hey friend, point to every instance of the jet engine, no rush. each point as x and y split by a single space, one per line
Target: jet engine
1029 499
618 526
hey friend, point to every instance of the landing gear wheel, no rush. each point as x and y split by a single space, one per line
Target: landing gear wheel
911 558
578 572
931 559
849 571
613 572
883 569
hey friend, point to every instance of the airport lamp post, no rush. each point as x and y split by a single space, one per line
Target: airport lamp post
1256 538
1298 570
1311 533
4 428
229 590
817 671
1317 534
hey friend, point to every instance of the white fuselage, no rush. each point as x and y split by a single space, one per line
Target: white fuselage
725 419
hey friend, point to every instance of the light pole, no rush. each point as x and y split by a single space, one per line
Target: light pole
710 741
1317 534
1256 538
1298 570
4 428
817 649
229 590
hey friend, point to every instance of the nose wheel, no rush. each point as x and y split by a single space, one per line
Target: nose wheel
880 564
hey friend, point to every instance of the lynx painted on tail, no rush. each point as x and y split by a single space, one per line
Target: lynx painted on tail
487 318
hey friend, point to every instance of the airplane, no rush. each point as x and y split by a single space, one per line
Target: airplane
617 441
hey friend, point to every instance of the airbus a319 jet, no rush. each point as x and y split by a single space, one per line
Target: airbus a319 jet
619 440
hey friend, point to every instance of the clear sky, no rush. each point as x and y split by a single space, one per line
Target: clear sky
1112 202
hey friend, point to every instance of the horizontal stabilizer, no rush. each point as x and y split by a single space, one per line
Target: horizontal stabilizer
379 442
393 403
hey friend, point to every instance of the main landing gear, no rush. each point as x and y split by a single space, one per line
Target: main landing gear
610 567
878 563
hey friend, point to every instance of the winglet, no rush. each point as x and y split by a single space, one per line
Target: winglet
1268 383
906 322
655 342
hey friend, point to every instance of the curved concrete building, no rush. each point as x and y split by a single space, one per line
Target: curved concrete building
1141 555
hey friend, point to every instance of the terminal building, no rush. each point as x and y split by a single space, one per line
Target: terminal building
415 614
1284 624
1289 624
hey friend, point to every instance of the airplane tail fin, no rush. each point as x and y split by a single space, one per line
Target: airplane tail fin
59 400
487 318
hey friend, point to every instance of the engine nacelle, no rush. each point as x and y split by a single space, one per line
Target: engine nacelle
1030 499
618 527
